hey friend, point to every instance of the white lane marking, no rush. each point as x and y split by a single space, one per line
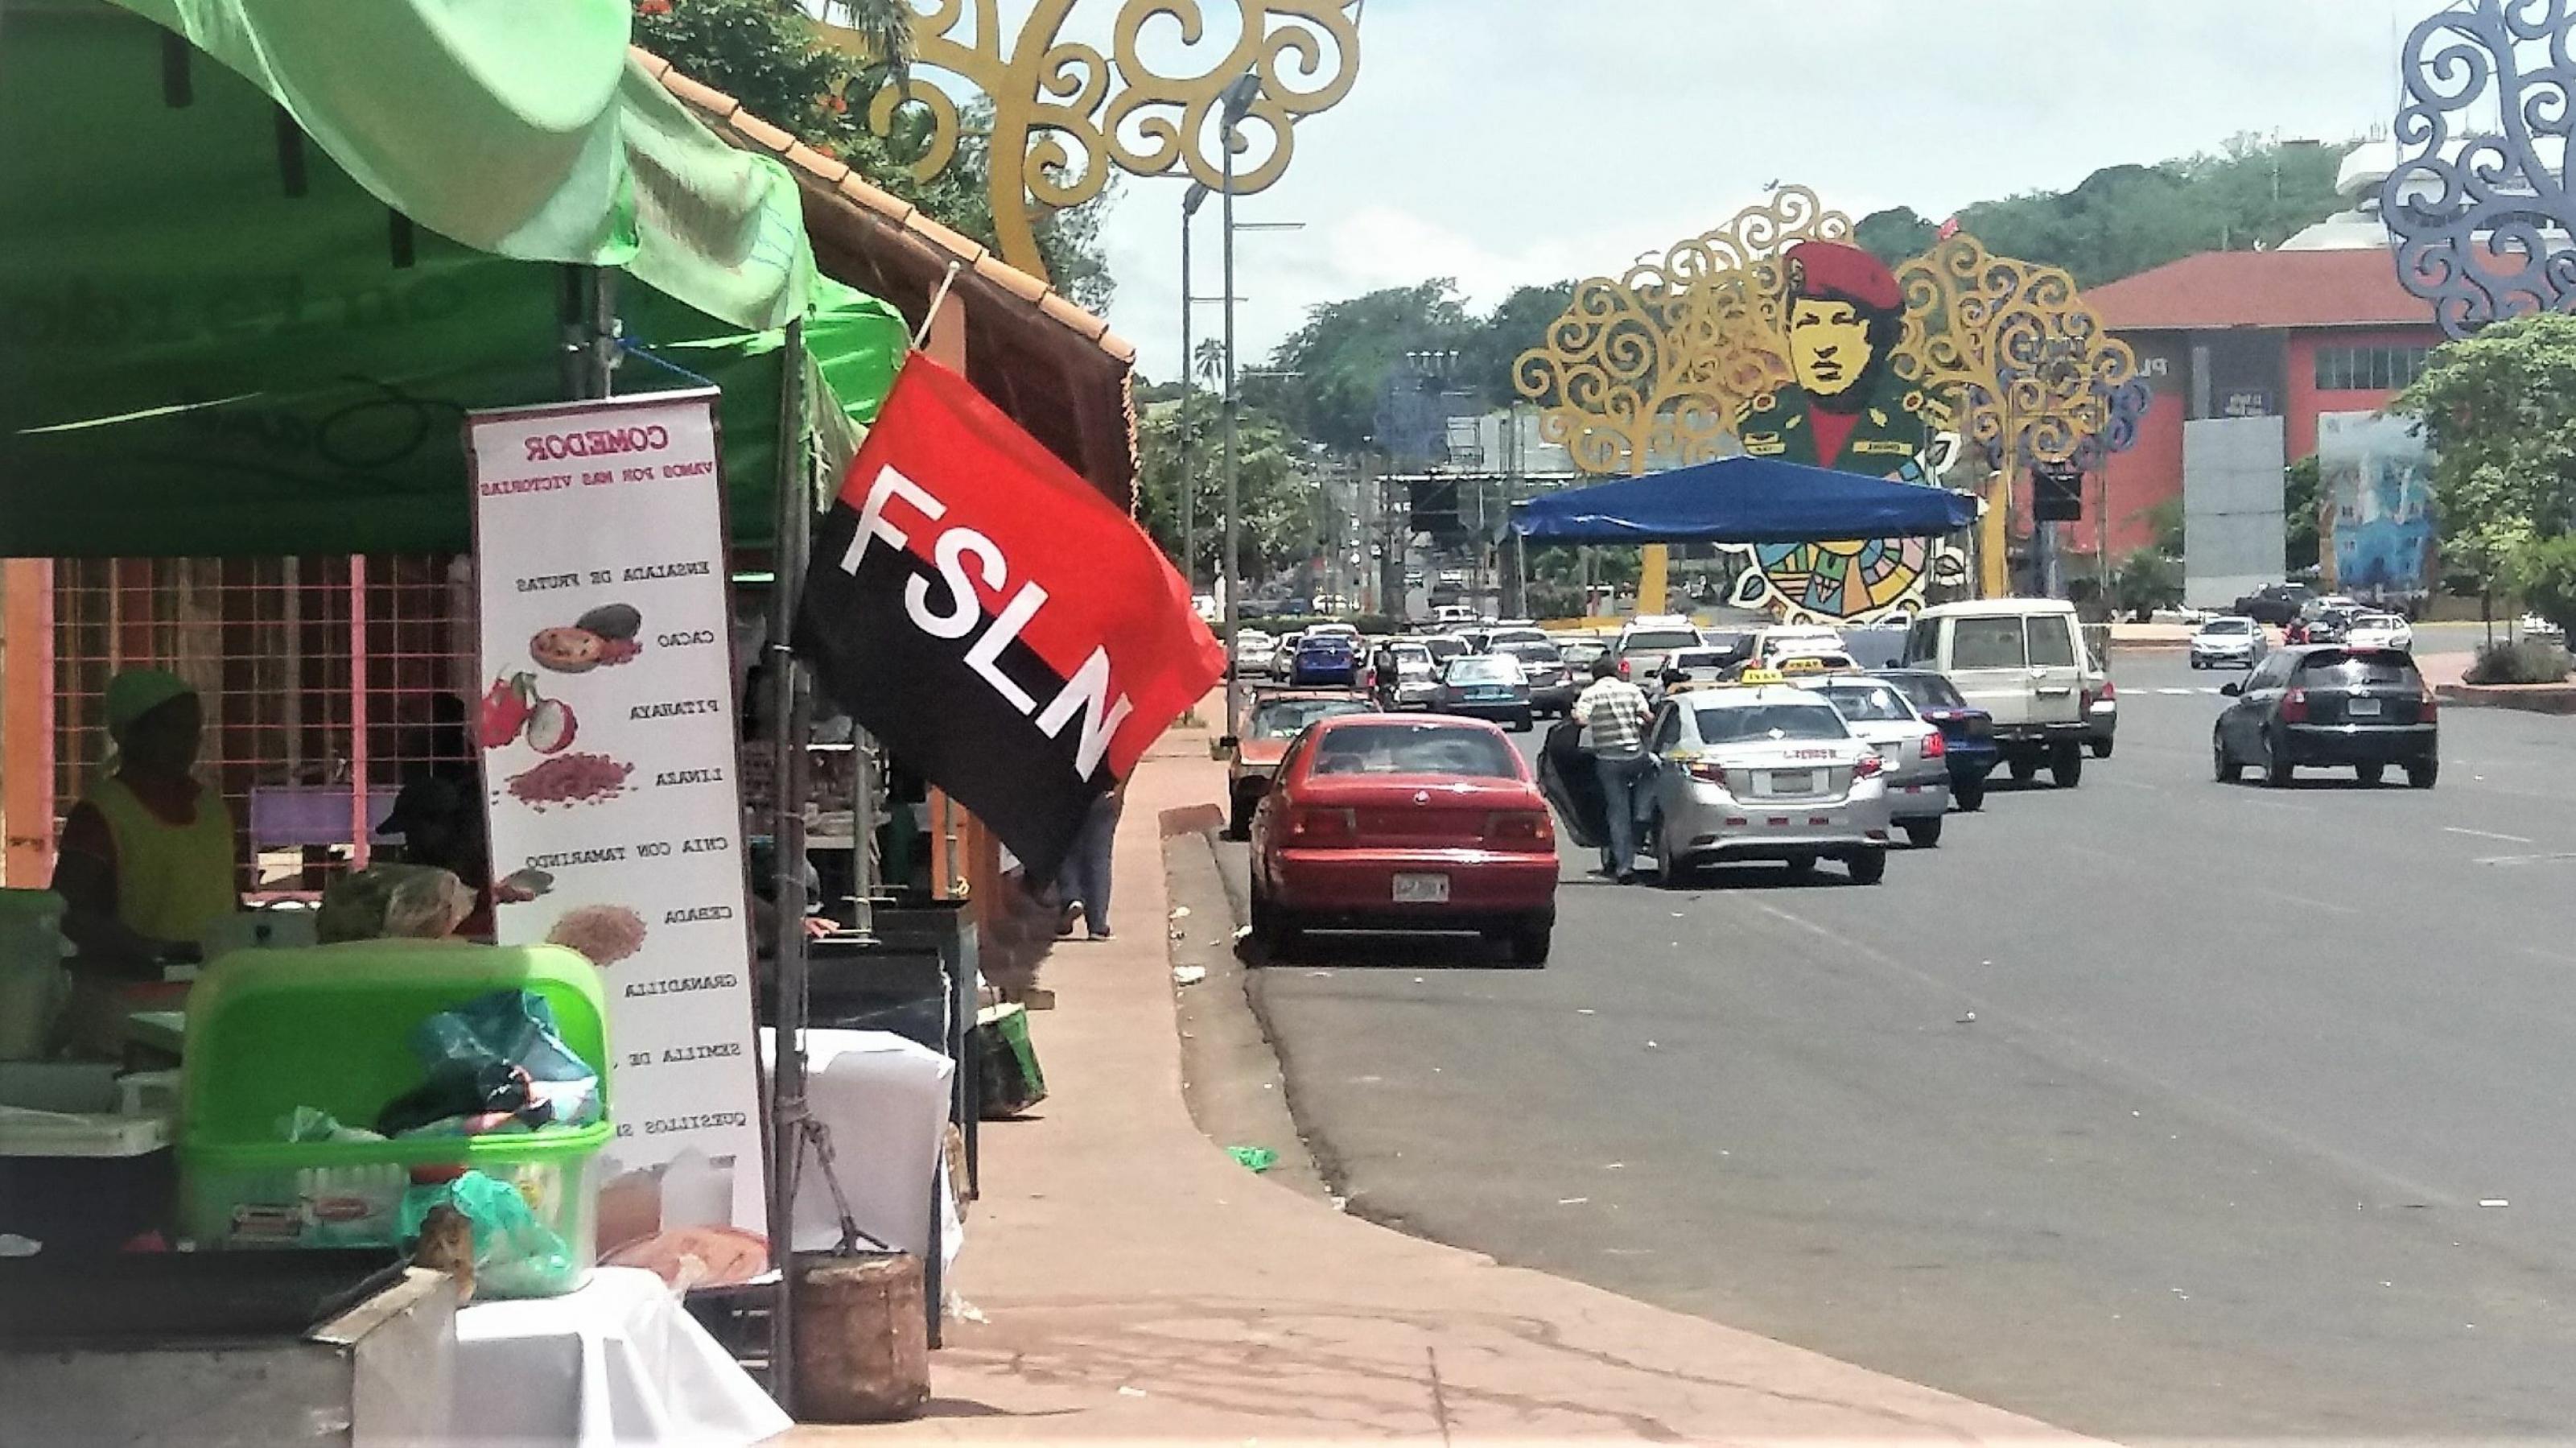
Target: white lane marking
2178 693
2487 835
2527 859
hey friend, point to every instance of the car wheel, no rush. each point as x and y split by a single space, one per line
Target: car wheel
2066 765
2423 773
1530 940
2277 768
2370 774
2222 763
1238 825
1868 867
1521 723
2101 748
2195 661
1922 834
2025 768
1271 930
1970 794
1802 868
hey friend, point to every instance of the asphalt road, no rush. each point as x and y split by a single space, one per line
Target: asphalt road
2152 1108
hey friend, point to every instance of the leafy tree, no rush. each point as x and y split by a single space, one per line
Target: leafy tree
1487 359
2544 573
2149 579
1278 499
2123 220
2500 412
1346 350
1895 236
764 54
2167 521
2302 509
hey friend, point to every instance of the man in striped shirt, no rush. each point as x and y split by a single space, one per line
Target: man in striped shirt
1613 712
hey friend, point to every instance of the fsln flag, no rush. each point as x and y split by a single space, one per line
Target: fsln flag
1012 637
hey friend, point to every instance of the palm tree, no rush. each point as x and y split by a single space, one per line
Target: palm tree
886 26
1211 361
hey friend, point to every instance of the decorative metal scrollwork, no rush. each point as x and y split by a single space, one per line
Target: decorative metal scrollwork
2027 366
2482 216
1073 116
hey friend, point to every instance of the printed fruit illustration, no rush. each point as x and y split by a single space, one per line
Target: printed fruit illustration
567 650
612 621
551 726
506 707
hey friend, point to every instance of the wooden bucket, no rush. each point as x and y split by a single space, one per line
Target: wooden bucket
862 1338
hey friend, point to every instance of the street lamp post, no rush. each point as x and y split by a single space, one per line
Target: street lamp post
1190 203
1238 103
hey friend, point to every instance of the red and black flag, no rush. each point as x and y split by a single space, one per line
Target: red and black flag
1012 637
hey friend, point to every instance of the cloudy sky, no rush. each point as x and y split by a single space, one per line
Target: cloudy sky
1512 141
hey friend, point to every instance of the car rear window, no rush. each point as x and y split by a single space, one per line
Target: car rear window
1873 704
1534 652
1446 648
2226 626
1930 691
1648 639
1987 643
1284 717
2342 670
2052 642
1771 721
1414 749
1497 669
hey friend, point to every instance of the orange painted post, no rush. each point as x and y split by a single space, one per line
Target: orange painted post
27 722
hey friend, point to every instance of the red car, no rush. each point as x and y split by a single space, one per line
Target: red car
1397 822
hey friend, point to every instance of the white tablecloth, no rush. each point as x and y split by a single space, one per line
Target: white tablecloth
885 1100
619 1362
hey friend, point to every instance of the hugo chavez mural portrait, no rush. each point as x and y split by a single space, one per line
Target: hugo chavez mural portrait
1848 410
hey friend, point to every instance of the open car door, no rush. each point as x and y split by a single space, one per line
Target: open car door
1572 786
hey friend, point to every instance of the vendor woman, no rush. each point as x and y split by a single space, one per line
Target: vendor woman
147 855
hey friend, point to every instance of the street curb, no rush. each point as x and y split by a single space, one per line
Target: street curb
2557 699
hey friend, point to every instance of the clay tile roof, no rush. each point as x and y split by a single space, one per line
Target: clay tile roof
2218 290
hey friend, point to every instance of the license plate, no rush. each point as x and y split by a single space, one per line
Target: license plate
1801 781
2363 708
1421 889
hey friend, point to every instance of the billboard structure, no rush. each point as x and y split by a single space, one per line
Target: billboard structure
2234 527
2375 478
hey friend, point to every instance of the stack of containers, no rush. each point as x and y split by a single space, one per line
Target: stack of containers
328 1029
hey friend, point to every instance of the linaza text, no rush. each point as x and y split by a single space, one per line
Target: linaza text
1087 692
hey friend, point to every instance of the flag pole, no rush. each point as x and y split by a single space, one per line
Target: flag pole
790 721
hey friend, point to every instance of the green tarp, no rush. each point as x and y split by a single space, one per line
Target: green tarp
523 130
214 341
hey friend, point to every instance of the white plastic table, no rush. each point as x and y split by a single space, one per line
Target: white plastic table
619 1362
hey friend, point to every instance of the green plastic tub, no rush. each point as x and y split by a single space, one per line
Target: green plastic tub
328 1027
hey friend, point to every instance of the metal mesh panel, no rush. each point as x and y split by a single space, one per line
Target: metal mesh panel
317 674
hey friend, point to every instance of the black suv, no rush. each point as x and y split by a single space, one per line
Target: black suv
2362 709
2275 603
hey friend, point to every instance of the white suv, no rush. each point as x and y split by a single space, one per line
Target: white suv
1647 640
2022 661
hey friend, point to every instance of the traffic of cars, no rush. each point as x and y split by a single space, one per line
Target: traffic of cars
1390 798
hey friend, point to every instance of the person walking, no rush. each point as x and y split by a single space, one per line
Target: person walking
1613 712
1083 882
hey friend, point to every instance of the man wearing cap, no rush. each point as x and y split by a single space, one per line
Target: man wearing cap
147 855
1847 410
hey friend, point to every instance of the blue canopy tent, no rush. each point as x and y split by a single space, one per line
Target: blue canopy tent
1743 500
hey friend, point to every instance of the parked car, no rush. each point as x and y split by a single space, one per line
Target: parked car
1967 733
2379 631
2020 660
1645 641
1552 686
1486 686
2332 705
2231 641
1762 772
1384 822
2538 627
1326 659
2275 603
1912 749
1252 758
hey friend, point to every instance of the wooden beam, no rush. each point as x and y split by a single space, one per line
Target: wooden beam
27 722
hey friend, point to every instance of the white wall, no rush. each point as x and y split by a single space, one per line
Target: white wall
2233 529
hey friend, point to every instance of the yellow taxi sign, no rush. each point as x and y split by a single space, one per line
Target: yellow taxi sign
1755 678
1800 666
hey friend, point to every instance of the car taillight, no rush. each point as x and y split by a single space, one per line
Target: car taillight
1623 668
2294 707
2110 690
1323 826
1709 774
2429 707
1521 827
1936 747
1869 768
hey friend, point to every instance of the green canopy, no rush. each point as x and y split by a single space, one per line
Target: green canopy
523 130
214 341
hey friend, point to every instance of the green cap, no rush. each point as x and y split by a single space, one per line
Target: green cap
137 692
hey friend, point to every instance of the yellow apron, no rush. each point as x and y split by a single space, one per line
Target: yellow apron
172 881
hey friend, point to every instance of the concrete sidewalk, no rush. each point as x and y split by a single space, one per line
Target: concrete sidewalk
1141 1285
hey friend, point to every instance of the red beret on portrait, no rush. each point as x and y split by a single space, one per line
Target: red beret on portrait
1833 268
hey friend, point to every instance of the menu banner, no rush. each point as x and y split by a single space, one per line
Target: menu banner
609 746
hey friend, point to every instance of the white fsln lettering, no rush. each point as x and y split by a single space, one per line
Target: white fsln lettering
872 520
962 614
1088 692
986 654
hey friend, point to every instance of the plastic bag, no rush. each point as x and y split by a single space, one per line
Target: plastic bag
392 902
311 1123
510 1028
515 1254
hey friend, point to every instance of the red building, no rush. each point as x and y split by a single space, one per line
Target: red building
2294 334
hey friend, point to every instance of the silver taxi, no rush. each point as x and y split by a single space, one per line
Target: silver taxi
1758 770
1916 756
